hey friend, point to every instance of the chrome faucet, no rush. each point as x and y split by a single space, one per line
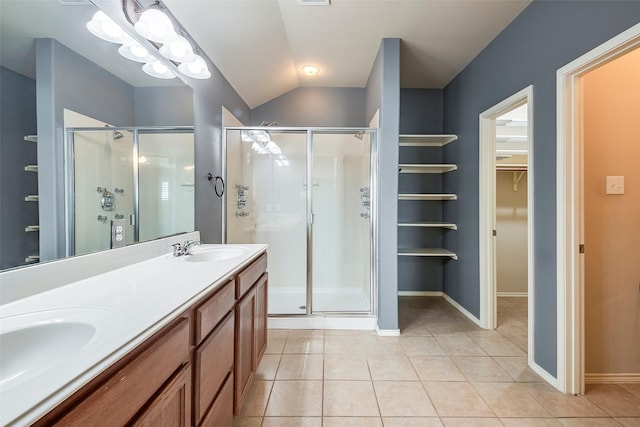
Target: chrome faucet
187 245
180 249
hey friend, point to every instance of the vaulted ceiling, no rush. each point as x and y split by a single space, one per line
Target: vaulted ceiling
261 45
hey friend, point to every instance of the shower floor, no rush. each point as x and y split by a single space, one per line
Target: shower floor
292 300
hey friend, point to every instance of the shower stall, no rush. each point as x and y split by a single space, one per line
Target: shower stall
308 193
143 176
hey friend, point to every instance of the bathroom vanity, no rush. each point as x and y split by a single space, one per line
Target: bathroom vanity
179 346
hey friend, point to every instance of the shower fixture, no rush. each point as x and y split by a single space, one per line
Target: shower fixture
117 135
359 135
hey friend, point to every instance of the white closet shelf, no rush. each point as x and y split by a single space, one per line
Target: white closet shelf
422 168
429 224
427 197
426 140
31 138
427 252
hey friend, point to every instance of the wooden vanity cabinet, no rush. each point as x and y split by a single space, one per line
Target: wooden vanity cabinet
147 374
195 371
251 326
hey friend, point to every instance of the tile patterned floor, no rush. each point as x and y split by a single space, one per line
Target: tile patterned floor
442 371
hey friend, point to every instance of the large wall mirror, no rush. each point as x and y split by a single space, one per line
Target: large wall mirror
86 138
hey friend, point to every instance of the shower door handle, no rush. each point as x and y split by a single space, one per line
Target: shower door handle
311 218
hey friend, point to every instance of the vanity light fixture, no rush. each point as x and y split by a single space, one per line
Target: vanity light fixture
154 25
310 70
103 27
134 51
196 69
158 69
157 27
178 50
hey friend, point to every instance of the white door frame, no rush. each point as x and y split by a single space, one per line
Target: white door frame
487 214
569 202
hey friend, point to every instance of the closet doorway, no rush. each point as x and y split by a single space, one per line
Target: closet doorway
511 214
506 219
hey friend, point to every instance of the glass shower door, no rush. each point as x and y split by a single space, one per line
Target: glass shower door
166 183
266 203
341 230
103 187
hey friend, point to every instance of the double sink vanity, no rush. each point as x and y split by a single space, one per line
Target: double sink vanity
164 341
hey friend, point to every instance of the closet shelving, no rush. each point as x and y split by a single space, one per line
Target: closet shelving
32 198
427 141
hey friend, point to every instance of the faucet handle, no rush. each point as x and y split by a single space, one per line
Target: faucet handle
177 249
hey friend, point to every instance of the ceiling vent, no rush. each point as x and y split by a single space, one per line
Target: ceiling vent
314 2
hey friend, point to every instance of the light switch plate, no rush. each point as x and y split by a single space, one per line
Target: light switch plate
615 185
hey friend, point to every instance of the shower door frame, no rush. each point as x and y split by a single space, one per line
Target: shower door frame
69 175
373 224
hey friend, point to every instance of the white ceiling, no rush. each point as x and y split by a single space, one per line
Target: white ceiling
260 45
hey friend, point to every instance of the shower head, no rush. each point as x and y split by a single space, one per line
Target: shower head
117 135
359 134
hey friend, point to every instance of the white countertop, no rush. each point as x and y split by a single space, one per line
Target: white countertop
126 306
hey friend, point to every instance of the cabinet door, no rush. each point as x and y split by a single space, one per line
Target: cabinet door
261 319
172 407
221 413
245 348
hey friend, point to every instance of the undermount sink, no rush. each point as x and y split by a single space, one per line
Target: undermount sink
36 342
207 253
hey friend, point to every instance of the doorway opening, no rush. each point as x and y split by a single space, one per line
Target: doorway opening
506 220
571 168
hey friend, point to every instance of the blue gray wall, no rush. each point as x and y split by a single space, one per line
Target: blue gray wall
544 37
314 106
210 96
65 79
383 95
17 119
163 106
421 111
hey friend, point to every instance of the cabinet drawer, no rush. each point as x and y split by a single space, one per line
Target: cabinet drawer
172 407
213 361
209 314
118 399
249 275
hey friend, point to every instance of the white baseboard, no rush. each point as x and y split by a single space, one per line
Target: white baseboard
388 332
611 378
461 309
419 293
513 294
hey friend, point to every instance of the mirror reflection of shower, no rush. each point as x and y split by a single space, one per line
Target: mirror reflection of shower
154 195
